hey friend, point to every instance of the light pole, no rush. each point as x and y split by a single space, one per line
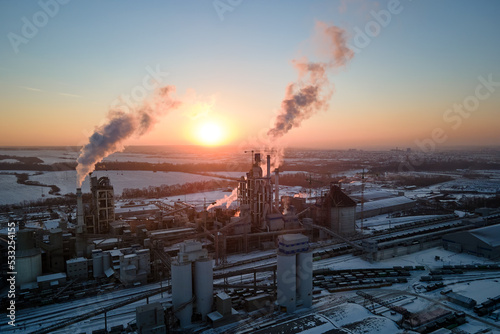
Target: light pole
161 281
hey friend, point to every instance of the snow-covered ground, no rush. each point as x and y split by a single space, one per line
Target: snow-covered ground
13 192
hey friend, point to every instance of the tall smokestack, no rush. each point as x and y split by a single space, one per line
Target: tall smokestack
268 166
277 188
79 211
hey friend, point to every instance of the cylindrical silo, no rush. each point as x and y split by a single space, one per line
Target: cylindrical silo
106 261
182 292
28 258
28 265
286 281
97 263
304 278
203 286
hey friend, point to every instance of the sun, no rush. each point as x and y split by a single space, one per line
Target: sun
210 134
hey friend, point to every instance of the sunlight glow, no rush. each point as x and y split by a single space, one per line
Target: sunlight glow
210 134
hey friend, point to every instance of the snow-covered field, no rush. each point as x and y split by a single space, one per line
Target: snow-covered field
12 192
175 155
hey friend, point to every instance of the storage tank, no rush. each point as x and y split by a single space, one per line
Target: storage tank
304 278
203 286
182 291
286 281
28 258
106 261
97 263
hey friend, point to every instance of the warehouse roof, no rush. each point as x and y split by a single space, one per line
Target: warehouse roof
489 235
384 203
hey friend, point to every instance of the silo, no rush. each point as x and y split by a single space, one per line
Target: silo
28 258
304 278
182 291
203 286
106 260
97 263
286 281
28 265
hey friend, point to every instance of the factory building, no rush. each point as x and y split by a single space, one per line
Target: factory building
150 319
192 282
77 268
103 206
255 193
224 313
101 263
52 248
383 206
135 267
483 242
294 272
337 211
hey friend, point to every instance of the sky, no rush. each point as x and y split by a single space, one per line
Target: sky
424 73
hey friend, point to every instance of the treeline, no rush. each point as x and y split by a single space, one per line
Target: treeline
420 180
473 203
23 178
58 166
130 165
24 160
68 200
306 180
168 167
178 189
433 166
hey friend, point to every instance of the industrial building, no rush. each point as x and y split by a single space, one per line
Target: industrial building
103 206
294 272
192 283
483 242
383 206
336 211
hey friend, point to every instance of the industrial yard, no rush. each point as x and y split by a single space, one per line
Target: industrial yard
346 252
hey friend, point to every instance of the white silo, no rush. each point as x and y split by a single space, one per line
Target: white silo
106 261
286 281
304 278
97 263
182 291
203 286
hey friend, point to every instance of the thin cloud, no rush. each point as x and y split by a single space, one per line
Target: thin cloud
31 88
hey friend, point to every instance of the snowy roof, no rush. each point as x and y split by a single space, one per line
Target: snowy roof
338 198
489 235
383 203
51 277
78 259
372 195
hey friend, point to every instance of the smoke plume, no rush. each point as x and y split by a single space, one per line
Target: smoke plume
226 200
312 91
109 138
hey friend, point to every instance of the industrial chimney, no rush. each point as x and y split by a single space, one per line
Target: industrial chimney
277 189
79 211
268 166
